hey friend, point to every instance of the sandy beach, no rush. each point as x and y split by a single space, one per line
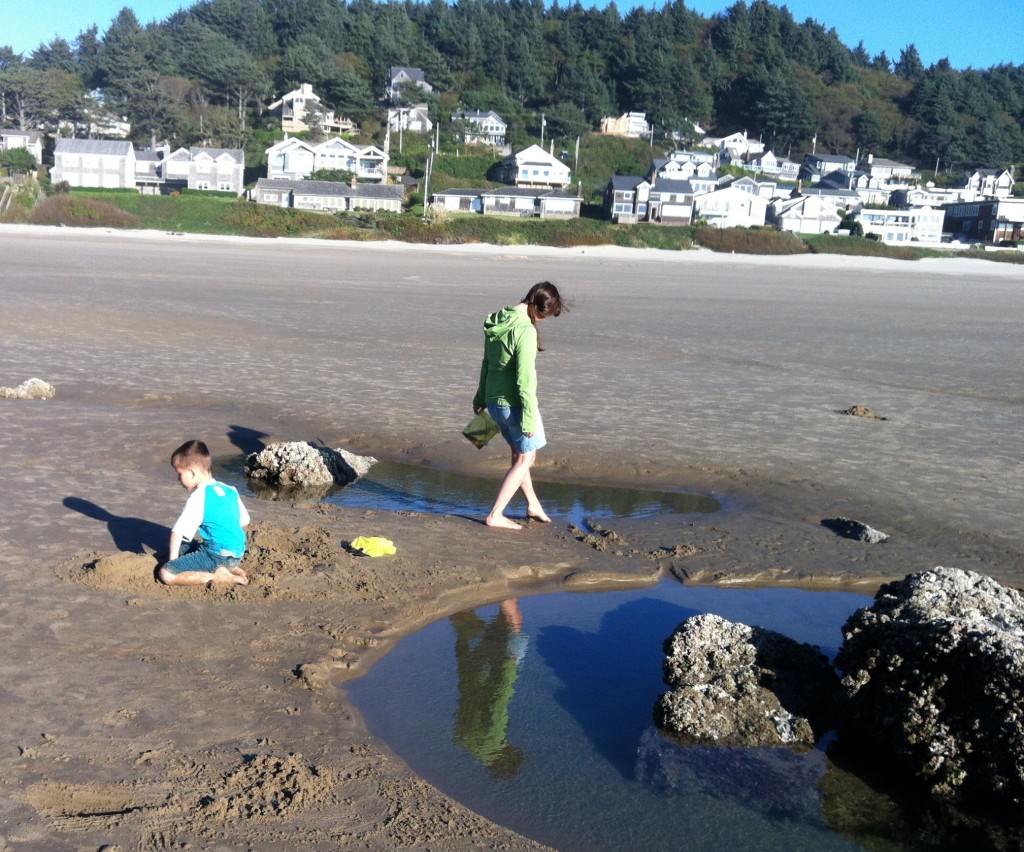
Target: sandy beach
148 718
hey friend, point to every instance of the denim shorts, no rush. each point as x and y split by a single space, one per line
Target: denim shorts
510 421
199 557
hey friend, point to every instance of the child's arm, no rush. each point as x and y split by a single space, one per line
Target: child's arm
175 548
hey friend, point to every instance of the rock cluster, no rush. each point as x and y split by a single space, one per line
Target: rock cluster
934 677
302 465
743 686
29 389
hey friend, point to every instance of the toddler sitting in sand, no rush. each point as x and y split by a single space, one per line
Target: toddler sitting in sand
215 511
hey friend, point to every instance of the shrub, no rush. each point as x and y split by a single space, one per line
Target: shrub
81 213
750 240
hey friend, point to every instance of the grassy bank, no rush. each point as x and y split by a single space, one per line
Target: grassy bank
218 213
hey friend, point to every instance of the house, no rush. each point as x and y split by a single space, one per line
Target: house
481 127
842 196
988 183
889 172
30 140
730 207
631 125
301 110
766 189
896 227
524 201
414 119
988 221
816 166
805 214
458 201
671 202
626 198
699 171
295 159
737 144
869 190
683 155
105 163
400 78
929 196
532 166
327 196
220 169
510 201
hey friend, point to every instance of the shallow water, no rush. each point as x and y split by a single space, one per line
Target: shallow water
548 729
404 487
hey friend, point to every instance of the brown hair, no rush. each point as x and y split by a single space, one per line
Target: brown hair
192 454
545 300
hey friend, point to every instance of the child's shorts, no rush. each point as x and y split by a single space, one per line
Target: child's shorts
199 557
510 421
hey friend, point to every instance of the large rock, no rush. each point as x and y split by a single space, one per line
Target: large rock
934 678
302 465
746 686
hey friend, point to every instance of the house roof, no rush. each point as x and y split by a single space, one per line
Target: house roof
115 147
414 74
476 115
534 154
625 182
327 187
674 187
459 193
236 154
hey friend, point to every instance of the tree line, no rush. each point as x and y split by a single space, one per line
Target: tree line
206 73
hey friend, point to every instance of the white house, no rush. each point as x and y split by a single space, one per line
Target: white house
103 163
737 144
30 140
631 125
481 127
415 119
805 214
897 227
295 159
730 208
532 166
988 183
401 77
301 109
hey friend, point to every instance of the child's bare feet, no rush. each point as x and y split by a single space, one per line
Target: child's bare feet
538 515
501 522
230 575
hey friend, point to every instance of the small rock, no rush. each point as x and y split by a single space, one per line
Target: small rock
861 411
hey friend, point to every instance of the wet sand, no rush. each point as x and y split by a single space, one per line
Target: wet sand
149 718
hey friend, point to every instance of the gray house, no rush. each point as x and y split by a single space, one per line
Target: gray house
103 163
328 196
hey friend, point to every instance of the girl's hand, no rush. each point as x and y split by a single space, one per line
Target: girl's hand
477 409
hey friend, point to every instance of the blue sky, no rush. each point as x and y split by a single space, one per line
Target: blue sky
980 36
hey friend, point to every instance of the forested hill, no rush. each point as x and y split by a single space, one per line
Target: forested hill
207 72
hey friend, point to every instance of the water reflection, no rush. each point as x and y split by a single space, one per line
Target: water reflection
392 486
487 659
560 745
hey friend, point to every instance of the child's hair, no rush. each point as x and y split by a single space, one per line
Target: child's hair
545 300
192 454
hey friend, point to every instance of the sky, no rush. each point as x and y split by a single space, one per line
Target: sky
978 36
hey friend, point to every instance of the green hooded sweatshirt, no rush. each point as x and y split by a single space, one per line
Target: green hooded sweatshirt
508 375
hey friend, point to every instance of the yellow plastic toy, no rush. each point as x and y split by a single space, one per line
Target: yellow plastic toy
373 546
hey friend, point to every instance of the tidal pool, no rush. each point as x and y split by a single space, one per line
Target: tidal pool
536 713
404 487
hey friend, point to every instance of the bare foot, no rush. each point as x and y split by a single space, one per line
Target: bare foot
539 515
230 575
501 522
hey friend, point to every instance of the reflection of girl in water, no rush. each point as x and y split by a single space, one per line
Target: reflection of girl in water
487 656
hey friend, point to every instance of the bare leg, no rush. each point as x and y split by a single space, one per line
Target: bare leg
533 507
201 578
509 486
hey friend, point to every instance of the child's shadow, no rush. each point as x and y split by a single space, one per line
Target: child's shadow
133 535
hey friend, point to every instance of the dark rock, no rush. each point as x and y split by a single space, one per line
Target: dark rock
934 680
856 530
743 686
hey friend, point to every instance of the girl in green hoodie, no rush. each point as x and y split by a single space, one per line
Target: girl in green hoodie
508 390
